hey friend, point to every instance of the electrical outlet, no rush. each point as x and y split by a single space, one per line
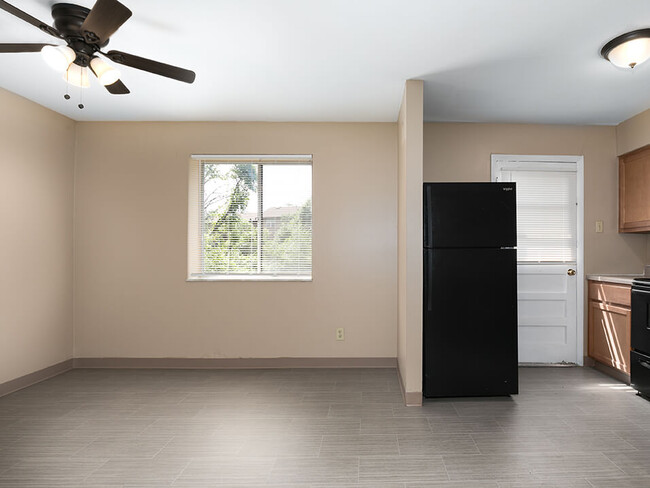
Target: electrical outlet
340 334
599 226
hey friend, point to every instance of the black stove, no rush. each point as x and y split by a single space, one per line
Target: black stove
640 337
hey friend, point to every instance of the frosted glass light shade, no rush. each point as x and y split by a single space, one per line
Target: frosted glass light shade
106 74
628 50
58 57
631 53
77 76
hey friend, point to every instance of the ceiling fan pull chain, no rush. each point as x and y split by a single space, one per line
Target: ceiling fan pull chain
81 98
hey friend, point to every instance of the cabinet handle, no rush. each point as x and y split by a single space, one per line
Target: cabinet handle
645 364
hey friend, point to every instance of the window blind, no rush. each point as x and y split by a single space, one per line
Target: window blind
547 216
255 217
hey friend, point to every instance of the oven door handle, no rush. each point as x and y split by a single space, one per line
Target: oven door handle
637 290
645 364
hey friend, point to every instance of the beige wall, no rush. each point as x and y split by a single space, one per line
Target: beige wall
409 328
36 207
461 152
633 133
131 297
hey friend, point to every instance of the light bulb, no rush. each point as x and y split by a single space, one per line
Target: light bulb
631 53
106 74
58 57
77 76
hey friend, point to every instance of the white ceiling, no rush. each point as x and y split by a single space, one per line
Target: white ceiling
347 60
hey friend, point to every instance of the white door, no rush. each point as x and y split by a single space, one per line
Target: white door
546 301
549 275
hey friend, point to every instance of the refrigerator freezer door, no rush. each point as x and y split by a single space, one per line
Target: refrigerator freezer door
470 322
469 215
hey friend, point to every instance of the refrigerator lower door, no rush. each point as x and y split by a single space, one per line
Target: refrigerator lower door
470 322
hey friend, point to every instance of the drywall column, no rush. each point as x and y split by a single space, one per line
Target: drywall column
36 199
409 218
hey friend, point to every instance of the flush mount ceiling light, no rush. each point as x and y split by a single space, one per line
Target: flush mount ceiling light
628 50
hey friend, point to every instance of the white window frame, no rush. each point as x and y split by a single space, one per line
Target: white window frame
497 160
195 192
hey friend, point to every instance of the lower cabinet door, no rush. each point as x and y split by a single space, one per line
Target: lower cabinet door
609 335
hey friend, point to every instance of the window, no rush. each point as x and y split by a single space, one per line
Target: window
250 217
547 217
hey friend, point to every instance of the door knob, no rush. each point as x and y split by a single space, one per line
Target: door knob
571 272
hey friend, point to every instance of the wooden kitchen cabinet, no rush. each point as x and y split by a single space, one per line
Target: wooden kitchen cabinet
609 324
633 194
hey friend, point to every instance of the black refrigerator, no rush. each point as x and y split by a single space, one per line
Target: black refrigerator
470 290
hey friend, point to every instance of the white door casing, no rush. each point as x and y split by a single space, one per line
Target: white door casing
550 321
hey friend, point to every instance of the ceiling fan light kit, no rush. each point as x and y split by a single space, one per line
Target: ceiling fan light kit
86 32
58 57
77 76
105 73
628 50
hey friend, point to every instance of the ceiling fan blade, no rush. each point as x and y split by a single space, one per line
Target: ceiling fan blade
117 88
155 67
103 20
28 18
22 48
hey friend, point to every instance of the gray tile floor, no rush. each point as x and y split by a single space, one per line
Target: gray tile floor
569 427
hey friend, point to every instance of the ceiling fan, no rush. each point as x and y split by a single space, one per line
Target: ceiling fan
86 32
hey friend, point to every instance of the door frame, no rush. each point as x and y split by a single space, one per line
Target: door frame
498 159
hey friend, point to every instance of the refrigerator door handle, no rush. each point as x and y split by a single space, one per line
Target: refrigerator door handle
429 294
428 231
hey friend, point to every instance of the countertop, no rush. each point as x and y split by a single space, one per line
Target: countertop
612 278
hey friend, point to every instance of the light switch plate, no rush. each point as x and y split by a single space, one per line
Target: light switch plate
599 226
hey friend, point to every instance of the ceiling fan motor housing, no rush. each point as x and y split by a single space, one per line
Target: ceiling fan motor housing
68 19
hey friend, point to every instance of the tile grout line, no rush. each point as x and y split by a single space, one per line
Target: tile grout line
444 465
614 463
95 470
189 461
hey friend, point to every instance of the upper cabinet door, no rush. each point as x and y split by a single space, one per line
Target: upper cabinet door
634 191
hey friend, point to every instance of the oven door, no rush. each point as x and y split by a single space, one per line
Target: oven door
640 373
640 337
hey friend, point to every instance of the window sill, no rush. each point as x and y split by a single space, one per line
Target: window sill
251 278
